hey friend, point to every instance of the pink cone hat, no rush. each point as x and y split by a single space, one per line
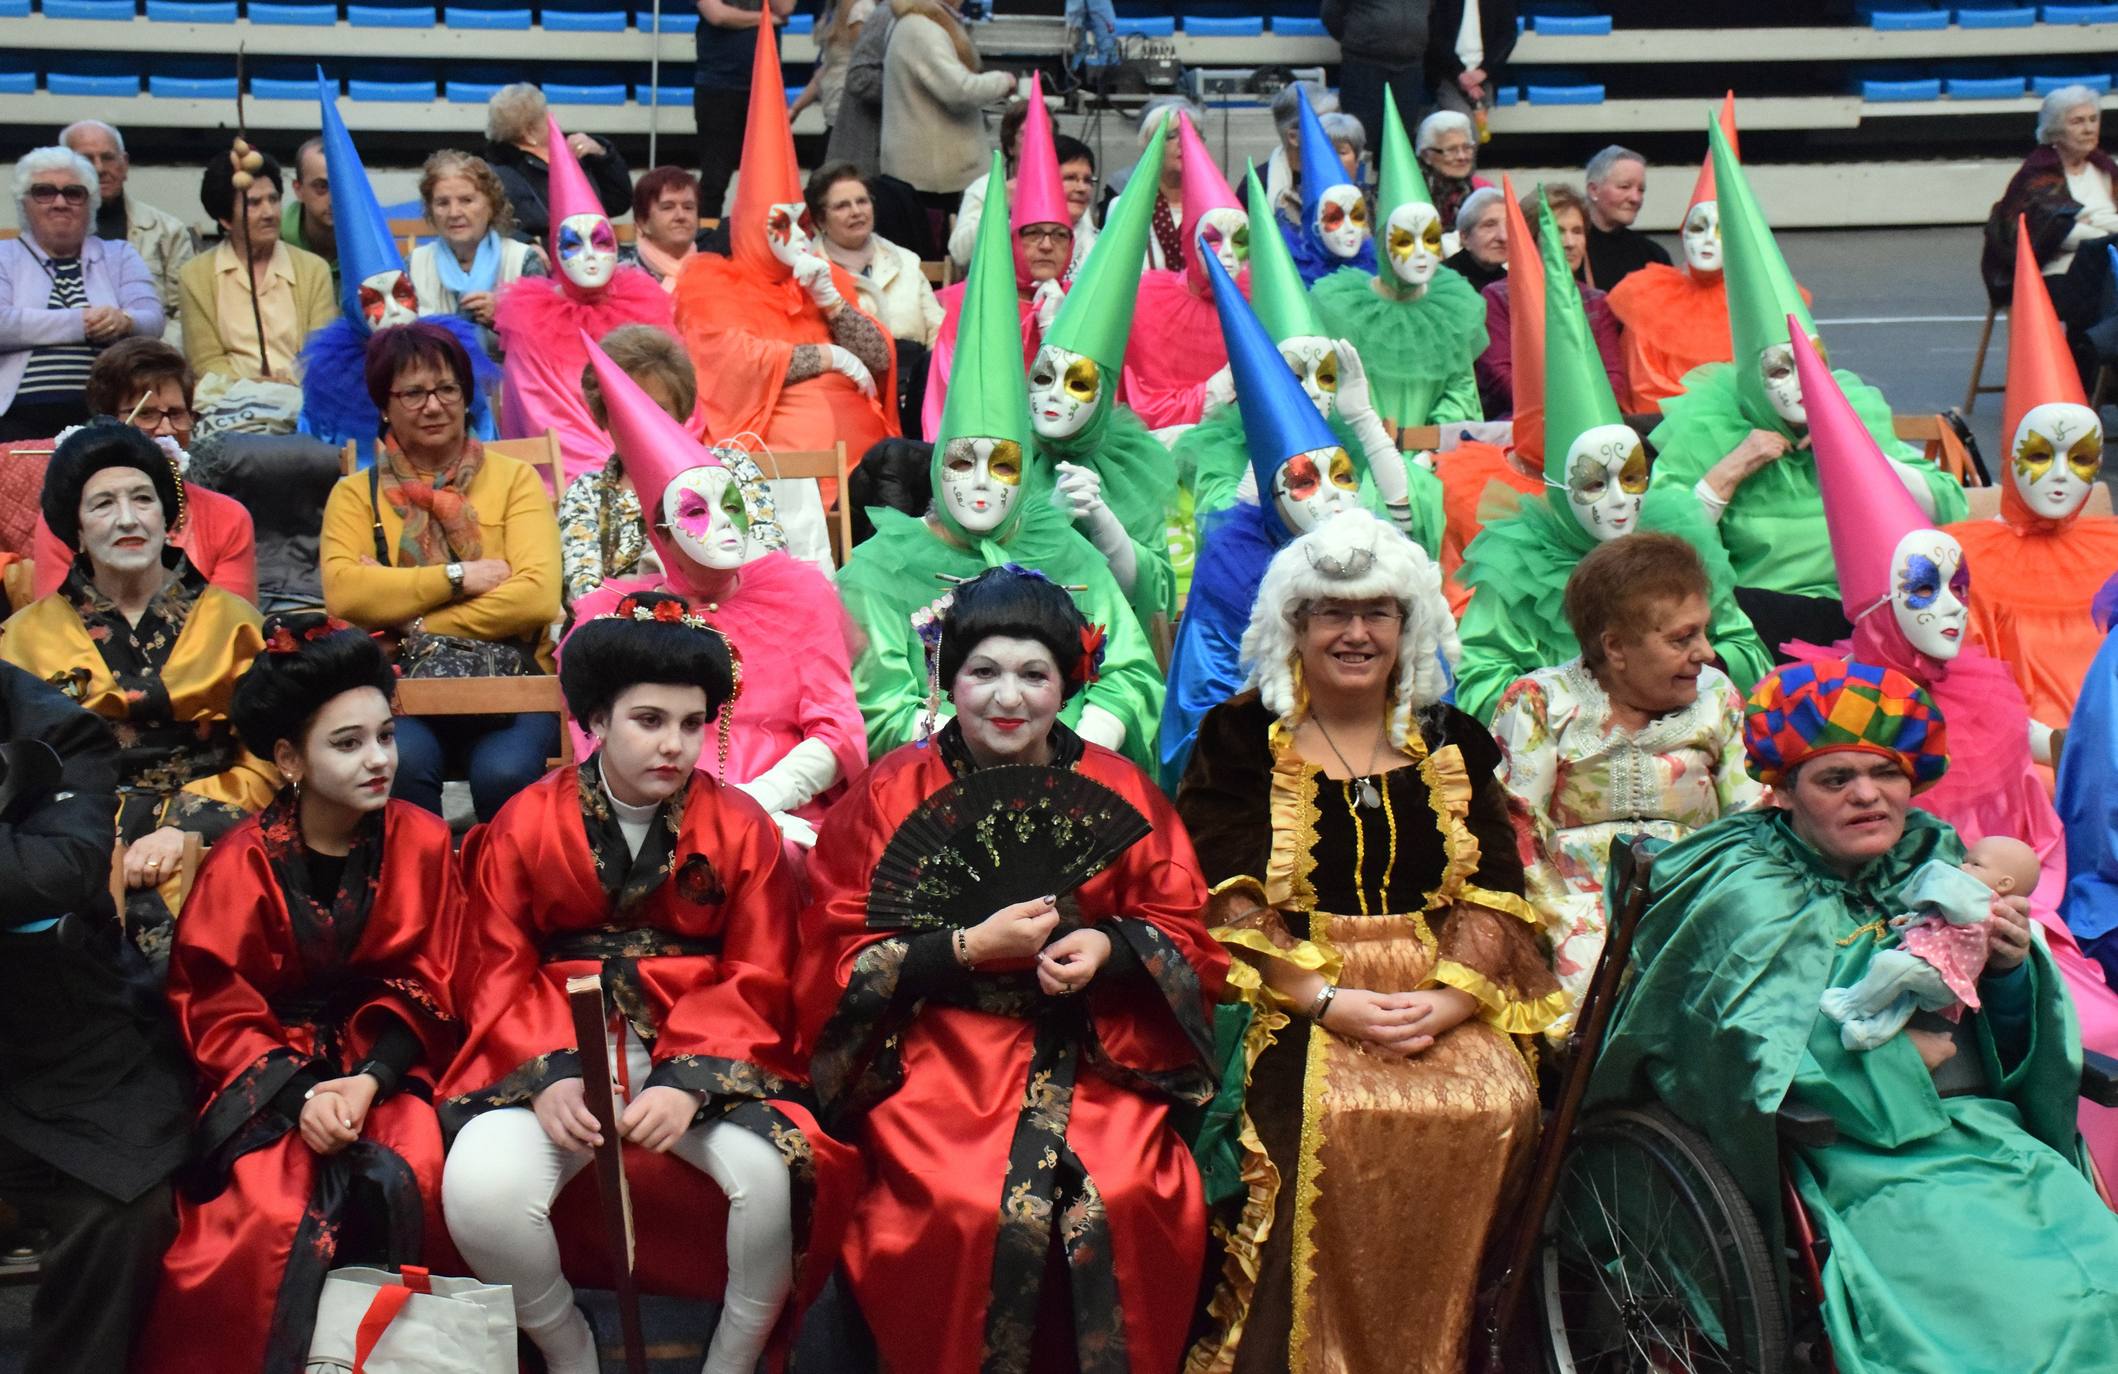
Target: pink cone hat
1866 508
1205 188
656 447
1040 196
567 192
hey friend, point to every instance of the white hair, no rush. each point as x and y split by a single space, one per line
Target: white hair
1161 110
516 111
2057 106
1474 206
1353 556
1599 166
57 158
1440 122
1287 107
117 139
1344 128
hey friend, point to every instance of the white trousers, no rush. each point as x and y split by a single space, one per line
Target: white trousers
503 1173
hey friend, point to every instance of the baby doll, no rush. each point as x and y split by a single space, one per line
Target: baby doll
1942 949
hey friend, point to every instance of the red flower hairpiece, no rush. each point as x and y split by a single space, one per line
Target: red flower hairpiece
285 641
1089 668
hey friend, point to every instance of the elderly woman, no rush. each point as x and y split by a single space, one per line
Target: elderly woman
1366 878
601 534
463 270
1326 219
1280 168
455 553
893 286
66 295
997 1223
1482 230
665 214
1953 1175
293 292
138 637
518 148
1447 149
2067 191
1616 182
1639 734
1165 245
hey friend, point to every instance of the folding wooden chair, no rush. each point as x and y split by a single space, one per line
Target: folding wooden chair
488 696
1978 386
821 465
1938 440
540 452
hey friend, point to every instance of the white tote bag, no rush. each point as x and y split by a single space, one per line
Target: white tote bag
373 1321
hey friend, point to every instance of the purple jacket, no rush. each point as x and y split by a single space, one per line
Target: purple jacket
1496 366
112 273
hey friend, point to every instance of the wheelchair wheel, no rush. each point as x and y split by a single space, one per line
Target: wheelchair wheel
1651 1260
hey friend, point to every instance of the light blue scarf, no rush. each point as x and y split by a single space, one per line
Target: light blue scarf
483 273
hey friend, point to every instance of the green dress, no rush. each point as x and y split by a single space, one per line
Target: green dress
1418 352
903 568
1139 486
1964 1234
1774 528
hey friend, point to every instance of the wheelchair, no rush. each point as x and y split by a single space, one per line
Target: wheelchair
1636 1251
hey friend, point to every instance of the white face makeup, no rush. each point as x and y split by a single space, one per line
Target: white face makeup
1930 592
387 299
1342 220
1314 361
1702 237
122 523
702 508
1312 487
1412 237
1007 694
650 741
2056 458
349 757
1064 388
588 250
1783 385
980 479
1225 233
788 230
1606 480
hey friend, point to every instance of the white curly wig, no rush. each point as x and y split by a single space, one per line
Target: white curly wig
1352 557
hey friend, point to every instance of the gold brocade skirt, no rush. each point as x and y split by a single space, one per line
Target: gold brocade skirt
1390 1175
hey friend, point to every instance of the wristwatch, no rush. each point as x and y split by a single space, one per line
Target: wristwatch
454 572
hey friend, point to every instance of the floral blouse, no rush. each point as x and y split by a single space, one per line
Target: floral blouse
602 534
1576 781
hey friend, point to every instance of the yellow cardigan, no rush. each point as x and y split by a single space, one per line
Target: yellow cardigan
208 351
515 523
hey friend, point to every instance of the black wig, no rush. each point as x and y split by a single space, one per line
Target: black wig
609 653
308 659
1019 604
89 450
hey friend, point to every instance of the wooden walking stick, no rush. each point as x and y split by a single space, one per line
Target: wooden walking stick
584 995
247 161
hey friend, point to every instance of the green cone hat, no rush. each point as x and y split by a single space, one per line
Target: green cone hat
988 396
1577 391
1402 182
1096 317
1761 291
1277 296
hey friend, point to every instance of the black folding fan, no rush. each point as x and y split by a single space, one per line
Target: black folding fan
995 837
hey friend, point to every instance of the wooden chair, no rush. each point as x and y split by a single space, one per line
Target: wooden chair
937 273
488 696
821 465
1937 438
1978 386
540 452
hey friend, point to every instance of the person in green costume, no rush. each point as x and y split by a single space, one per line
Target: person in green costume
1739 438
1331 371
1597 488
1417 324
989 510
1964 1234
1114 478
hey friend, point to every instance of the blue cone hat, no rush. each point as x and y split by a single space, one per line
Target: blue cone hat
1279 421
365 245
1321 169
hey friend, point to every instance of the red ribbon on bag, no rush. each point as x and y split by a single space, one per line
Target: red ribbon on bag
383 1309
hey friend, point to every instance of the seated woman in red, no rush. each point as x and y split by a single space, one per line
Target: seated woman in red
1009 1077
308 980
671 885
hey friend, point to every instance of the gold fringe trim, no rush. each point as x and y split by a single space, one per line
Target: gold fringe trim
1243 1244
1313 955
1449 794
1506 903
1509 1015
1306 1192
1293 817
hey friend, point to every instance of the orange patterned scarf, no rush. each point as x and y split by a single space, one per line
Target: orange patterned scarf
440 525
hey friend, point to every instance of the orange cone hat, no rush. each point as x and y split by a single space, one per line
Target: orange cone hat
2040 367
1525 329
1703 188
770 175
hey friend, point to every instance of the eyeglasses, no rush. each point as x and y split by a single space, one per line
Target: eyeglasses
1336 618
1047 235
416 397
148 421
44 193
1451 150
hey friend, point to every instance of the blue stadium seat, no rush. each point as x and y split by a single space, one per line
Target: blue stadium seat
89 9
1204 26
1983 87
389 17
16 9
1997 17
668 97
471 92
186 12
1576 93
17 82
1504 96
675 19
2041 86
457 17
392 92
2081 14
1293 26
796 23
567 93
1900 16
585 21
1156 26
306 16
191 87
1571 25
1912 89
109 86
283 88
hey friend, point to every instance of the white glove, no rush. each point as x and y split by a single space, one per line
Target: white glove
2040 743
1079 492
794 828
1355 399
1247 486
1423 457
1220 390
802 773
814 274
1047 297
1099 726
841 361
1386 465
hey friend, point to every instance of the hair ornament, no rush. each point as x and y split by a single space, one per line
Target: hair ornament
285 641
670 612
1089 667
927 624
1342 567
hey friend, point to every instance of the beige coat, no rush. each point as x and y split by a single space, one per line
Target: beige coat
933 128
165 244
895 290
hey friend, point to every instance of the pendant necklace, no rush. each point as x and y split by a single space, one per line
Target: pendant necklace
1370 795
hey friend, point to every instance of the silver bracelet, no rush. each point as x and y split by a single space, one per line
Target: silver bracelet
962 941
1322 1003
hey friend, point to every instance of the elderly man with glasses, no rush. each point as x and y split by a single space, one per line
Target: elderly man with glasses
163 241
64 295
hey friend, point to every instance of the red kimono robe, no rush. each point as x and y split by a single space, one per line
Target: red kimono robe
275 986
694 938
1003 1129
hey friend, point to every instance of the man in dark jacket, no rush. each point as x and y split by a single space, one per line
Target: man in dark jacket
1381 43
95 1097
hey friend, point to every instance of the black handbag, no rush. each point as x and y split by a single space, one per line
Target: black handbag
421 654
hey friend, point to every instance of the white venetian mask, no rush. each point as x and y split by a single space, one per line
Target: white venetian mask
1783 385
980 479
1413 237
703 509
788 230
588 250
1930 592
1314 361
387 298
1606 480
1225 233
1702 237
1064 389
2056 457
1342 220
1312 487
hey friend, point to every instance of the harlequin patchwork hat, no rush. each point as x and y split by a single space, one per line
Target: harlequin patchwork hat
1838 705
